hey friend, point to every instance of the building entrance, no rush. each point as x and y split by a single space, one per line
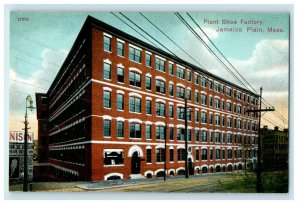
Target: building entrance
135 163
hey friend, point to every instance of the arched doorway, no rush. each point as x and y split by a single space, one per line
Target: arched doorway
135 163
191 166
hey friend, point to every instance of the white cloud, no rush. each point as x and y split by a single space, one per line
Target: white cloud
267 67
39 81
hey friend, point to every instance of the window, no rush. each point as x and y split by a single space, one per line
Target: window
135 130
148 155
229 138
196 97
239 109
239 153
148 82
197 154
113 157
189 75
217 86
134 54
171 155
203 117
204 154
107 128
171 112
196 78
211 136
171 89
203 99
160 86
218 154
171 69
210 101
196 116
203 81
180 113
159 64
188 94
223 105
228 106
180 134
106 99
120 46
106 74
135 104
228 91
181 154
160 155
210 118
180 72
171 136
217 120
223 121
44 127
120 128
239 124
239 95
135 79
189 135
229 154
120 101
204 136
120 74
160 132
197 135
107 44
210 84
180 92
148 60
211 154
223 154
217 137
217 103
253 126
148 106
160 109
148 131
229 122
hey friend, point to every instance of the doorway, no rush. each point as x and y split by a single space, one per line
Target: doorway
135 163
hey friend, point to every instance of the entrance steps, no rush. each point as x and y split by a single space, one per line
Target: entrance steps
136 176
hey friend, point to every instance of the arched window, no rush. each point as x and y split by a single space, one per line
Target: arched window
181 172
218 168
160 174
211 169
204 170
229 167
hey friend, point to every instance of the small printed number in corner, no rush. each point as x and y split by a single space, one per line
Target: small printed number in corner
23 19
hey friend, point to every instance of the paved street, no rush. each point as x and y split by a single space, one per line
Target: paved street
232 182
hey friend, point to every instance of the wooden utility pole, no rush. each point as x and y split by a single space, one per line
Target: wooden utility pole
186 139
258 170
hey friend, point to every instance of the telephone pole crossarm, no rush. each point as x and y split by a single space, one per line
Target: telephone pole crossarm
260 110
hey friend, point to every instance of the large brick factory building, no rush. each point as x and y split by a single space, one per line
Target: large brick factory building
116 99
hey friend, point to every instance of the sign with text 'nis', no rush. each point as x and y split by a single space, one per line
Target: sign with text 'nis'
18 136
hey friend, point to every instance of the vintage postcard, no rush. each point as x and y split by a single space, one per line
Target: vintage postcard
149 102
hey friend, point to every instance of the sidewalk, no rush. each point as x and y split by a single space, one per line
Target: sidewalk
100 185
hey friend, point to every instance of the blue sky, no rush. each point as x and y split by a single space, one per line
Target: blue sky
38 47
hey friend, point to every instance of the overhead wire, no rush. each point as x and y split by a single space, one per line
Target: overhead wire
202 41
230 63
149 35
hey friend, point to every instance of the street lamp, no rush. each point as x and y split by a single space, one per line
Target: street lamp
30 106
